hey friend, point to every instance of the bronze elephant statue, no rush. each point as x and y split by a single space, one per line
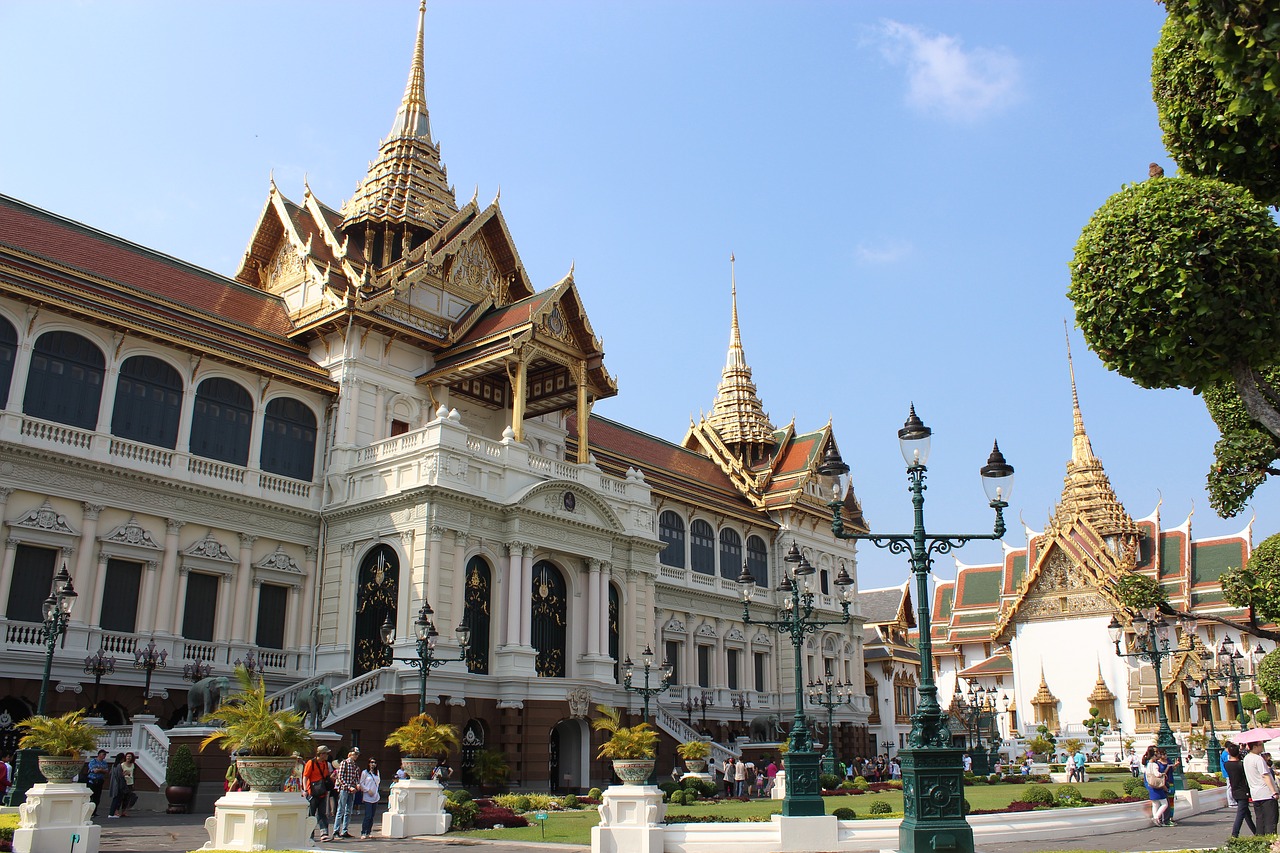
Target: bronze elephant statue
205 696
314 704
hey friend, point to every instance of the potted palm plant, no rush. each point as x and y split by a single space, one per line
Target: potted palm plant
490 769
420 741
694 753
630 747
180 778
64 740
264 740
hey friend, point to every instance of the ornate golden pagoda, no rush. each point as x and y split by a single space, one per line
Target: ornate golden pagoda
1102 698
1045 703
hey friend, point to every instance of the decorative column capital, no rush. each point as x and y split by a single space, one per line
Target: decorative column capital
515 548
4 494
257 582
348 548
247 540
91 511
311 552
593 565
68 551
436 532
174 525
152 565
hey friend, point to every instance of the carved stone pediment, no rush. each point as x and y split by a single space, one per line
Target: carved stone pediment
133 534
46 519
1062 590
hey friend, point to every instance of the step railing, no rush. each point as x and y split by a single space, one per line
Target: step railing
682 731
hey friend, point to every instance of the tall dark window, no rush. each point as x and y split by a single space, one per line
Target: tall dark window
377 590
548 612
476 614
8 353
201 607
65 380
671 532
731 665
614 628
702 547
272 607
759 659
120 596
288 439
730 554
32 581
148 402
673 658
758 561
222 421
704 666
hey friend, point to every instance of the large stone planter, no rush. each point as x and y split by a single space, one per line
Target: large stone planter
55 819
415 807
633 771
696 765
265 773
59 768
417 767
251 820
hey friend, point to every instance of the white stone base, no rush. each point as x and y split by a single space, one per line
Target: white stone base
517 661
630 820
55 819
705 777
779 789
253 820
415 807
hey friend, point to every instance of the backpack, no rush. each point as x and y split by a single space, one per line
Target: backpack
1154 775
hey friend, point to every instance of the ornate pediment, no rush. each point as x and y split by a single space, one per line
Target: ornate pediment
132 533
279 561
209 548
473 273
45 518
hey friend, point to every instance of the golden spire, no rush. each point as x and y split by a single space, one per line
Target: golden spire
407 183
1087 491
737 415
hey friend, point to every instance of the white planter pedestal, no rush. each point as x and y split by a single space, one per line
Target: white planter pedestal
55 819
779 789
630 820
253 820
415 807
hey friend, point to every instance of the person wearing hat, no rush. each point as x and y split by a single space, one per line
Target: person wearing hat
98 770
316 776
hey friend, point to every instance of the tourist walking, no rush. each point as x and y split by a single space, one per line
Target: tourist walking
740 777
1262 790
121 790
347 783
370 785
317 779
1153 775
98 770
729 777
1238 787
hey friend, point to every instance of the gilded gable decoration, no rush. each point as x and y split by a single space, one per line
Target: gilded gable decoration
1045 704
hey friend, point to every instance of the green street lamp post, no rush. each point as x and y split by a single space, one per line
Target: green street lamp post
1154 643
830 694
57 613
424 630
977 710
742 702
932 770
645 692
1203 688
804 793
98 665
149 659
1231 668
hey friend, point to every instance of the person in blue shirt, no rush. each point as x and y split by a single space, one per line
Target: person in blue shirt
98 770
1078 761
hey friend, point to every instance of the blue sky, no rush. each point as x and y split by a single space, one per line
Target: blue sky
902 184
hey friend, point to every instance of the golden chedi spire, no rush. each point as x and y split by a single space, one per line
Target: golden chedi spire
407 184
737 415
1087 491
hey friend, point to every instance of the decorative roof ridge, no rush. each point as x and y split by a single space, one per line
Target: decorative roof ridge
1044 696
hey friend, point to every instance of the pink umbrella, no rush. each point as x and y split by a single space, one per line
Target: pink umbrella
1254 735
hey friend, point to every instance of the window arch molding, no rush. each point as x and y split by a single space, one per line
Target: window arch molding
289 427
65 377
222 418
757 560
702 546
148 400
10 342
674 534
729 553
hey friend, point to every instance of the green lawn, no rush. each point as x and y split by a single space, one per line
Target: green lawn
574 827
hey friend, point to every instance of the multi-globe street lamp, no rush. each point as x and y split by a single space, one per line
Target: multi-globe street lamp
149 659
830 694
425 632
647 665
251 663
196 670
695 702
796 621
99 664
57 613
1155 641
1207 688
1231 668
976 708
741 701
932 770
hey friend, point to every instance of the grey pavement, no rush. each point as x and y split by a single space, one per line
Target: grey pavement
149 832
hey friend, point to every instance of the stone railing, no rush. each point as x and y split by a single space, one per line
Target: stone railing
681 731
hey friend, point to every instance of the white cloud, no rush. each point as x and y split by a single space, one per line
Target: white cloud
946 79
886 252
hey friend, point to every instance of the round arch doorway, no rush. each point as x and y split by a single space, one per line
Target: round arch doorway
569 767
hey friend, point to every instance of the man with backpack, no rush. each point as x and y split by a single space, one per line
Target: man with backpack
317 780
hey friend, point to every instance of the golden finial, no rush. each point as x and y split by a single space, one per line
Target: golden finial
1075 398
412 118
475 194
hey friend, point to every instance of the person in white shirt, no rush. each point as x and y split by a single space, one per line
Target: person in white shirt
370 783
1262 789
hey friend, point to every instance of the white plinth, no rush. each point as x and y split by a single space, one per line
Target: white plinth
779 789
705 777
518 662
415 807
55 819
630 820
252 820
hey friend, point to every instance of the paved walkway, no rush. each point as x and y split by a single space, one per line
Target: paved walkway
145 832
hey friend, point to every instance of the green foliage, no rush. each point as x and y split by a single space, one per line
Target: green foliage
490 767
1097 725
181 771
458 795
464 813
595 794
1072 745
1250 702
1245 455
1137 591
68 735
1268 675
626 742
249 725
1134 788
678 797
1262 716
700 787
1108 794
570 801
1202 134
518 803
993 779
828 781
1197 740
844 813
1068 794
879 807
861 783
1256 585
693 750
1250 844
1036 794
1242 42
1193 785
423 737
847 785
1176 281
1040 745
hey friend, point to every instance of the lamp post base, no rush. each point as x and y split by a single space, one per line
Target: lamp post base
804 793
26 772
933 802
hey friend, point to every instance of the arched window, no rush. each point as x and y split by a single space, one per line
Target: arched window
288 439
476 614
8 352
377 590
65 380
702 547
148 402
671 532
758 561
222 421
549 610
730 554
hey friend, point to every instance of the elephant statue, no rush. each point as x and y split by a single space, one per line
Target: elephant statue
314 704
205 696
764 728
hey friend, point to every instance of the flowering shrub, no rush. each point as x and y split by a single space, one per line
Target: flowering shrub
488 818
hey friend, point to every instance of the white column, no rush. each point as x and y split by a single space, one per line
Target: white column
180 603
431 576
303 628
592 603
291 616
719 667
99 589
255 600
84 558
346 595
107 406
627 623
459 578
18 384
168 575
6 572
690 652
524 597
510 629
405 611
602 639
241 604
146 622
182 445
225 605
255 435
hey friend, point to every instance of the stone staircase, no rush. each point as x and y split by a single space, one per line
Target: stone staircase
681 731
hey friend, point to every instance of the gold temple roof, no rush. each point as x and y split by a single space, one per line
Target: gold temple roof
738 416
1101 693
1044 696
